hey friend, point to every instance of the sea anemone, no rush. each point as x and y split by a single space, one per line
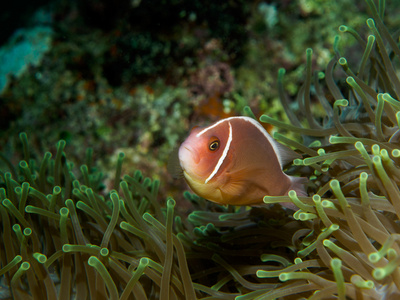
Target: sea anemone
343 241
64 236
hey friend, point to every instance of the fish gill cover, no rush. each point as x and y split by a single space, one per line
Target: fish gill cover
64 237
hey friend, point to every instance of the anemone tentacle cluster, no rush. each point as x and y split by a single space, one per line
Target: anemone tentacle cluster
64 236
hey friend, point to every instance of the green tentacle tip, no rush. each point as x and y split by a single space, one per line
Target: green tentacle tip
359 146
371 38
41 258
61 144
281 72
315 143
342 61
380 273
387 97
124 225
361 283
3 193
23 136
350 80
341 102
284 276
16 259
343 28
68 248
375 149
224 217
248 112
396 153
23 164
104 252
7 203
57 190
123 185
316 198
171 203
302 216
263 274
333 227
309 51
84 169
364 176
114 196
94 261
10 265
374 257
99 266
274 258
336 265
64 212
81 205
293 195
30 209
16 228
298 162
144 261
377 160
297 260
27 231
385 155
335 185
328 204
327 243
371 23
148 217
25 266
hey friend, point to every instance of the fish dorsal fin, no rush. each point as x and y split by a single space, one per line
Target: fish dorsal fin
284 154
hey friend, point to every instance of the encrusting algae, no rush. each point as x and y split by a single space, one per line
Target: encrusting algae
64 237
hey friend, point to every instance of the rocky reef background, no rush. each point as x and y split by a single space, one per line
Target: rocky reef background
79 217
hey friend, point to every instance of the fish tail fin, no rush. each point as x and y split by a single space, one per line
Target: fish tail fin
298 185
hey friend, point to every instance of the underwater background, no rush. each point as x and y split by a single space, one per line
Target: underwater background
95 95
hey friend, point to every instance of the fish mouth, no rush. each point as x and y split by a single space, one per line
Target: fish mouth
188 156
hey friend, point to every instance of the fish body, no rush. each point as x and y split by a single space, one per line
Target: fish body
235 161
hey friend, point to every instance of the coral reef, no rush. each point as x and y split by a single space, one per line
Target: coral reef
65 234
27 47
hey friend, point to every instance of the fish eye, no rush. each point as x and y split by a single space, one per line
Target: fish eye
214 145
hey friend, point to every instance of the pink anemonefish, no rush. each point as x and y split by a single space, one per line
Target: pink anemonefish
235 161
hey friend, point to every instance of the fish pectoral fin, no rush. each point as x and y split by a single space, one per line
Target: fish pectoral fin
237 183
233 189
174 168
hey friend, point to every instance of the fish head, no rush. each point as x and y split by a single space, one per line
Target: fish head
200 153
